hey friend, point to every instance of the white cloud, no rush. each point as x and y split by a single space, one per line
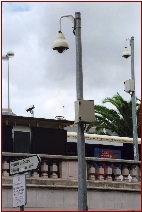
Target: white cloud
41 76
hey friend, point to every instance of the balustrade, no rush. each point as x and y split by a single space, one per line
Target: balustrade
66 167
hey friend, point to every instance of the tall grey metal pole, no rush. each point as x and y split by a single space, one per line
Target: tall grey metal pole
134 117
82 186
8 89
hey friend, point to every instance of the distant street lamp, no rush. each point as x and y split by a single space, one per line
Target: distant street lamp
6 58
127 54
61 45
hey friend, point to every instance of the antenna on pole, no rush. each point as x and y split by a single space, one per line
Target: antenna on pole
63 111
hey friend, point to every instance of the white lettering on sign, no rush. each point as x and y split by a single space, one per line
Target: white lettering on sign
105 154
19 190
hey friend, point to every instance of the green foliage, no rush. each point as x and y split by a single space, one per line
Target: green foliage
117 121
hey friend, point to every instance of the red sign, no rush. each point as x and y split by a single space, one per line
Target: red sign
105 154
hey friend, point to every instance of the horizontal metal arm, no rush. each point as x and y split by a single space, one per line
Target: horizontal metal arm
71 18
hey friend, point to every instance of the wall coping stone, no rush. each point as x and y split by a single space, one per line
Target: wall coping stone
62 157
73 184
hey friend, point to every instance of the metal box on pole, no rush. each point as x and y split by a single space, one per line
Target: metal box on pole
129 85
84 111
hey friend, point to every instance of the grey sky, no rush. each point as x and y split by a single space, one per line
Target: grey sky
47 79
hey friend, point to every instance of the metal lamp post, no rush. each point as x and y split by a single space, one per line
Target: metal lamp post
82 187
126 54
6 58
61 45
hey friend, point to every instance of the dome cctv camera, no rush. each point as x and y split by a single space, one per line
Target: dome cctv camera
125 56
60 49
10 54
60 43
126 53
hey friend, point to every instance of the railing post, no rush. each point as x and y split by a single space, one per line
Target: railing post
54 170
91 173
27 174
44 169
125 173
108 171
117 172
133 173
35 174
5 169
100 171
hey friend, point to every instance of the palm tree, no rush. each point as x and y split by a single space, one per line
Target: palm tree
119 120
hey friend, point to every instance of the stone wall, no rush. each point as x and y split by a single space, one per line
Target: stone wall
54 185
61 194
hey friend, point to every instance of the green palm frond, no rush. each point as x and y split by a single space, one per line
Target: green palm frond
117 120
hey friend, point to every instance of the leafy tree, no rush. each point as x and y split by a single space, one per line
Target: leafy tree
119 120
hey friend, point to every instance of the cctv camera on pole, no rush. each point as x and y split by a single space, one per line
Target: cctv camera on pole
30 109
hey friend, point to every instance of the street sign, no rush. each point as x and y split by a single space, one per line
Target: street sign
19 190
24 165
